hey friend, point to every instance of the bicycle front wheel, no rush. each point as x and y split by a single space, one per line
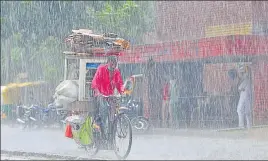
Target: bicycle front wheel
122 136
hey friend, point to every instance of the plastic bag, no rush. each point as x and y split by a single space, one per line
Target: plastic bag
76 119
85 134
81 129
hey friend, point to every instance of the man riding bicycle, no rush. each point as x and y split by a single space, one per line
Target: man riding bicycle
106 79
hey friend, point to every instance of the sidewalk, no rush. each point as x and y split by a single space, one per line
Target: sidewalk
257 132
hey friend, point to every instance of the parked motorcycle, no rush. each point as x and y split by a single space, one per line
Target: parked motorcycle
135 113
51 116
41 117
28 116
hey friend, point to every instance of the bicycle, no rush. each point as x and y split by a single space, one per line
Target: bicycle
105 139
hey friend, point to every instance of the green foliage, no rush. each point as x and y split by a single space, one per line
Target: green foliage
127 18
2 20
16 53
50 73
32 32
52 57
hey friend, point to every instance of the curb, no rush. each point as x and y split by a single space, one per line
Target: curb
242 129
180 132
45 155
159 131
217 133
167 131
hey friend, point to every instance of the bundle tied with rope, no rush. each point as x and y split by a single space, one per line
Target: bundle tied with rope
84 41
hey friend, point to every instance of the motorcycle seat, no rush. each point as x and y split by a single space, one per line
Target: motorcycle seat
27 107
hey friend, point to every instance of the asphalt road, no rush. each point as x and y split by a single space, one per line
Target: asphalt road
9 157
154 147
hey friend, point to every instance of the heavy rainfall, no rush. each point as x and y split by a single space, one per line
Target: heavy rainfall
134 80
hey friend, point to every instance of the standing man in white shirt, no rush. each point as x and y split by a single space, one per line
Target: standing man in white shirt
245 100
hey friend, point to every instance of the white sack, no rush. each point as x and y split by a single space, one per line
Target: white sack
61 100
67 88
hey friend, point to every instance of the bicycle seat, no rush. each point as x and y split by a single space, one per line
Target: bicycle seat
36 107
26 107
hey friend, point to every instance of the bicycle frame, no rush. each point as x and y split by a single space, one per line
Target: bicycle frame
103 140
113 104
114 111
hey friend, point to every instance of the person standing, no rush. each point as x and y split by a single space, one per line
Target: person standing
245 100
173 102
165 103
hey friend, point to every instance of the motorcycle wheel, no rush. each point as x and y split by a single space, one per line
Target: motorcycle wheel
140 124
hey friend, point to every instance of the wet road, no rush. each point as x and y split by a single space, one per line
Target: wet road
8 157
154 147
5 157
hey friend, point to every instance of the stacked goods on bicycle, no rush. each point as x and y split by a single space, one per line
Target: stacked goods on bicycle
84 41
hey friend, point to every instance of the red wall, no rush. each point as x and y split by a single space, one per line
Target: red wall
260 88
198 49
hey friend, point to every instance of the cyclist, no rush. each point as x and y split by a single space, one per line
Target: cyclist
106 79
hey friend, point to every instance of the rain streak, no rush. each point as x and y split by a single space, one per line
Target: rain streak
136 80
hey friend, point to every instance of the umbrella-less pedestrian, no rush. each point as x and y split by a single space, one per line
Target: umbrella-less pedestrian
245 100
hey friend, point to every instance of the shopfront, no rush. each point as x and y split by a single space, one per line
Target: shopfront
204 65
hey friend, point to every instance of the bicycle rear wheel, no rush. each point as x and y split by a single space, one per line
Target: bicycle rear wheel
93 148
122 131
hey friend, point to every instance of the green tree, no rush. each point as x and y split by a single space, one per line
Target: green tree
32 32
127 18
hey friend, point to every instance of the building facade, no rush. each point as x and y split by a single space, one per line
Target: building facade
191 20
198 20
